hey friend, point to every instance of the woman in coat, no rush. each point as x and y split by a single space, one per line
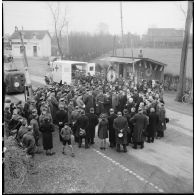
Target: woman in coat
103 131
47 128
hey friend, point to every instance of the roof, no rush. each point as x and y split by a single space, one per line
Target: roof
28 34
119 59
130 60
70 62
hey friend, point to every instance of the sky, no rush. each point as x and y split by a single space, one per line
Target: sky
86 16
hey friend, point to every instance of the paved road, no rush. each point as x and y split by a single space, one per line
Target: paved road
163 166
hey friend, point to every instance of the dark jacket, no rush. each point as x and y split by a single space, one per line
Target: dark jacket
83 123
140 124
112 138
120 123
153 124
93 121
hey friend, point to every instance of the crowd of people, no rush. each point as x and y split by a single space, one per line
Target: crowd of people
125 113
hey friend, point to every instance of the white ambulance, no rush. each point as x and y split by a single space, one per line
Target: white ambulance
63 70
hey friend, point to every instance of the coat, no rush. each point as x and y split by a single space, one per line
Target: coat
103 129
93 121
28 142
89 103
47 129
61 116
115 101
153 124
112 138
162 123
80 102
83 123
107 103
35 125
140 124
121 123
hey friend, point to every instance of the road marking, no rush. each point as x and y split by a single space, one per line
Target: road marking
129 171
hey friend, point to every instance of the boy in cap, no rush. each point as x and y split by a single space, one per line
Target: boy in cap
65 134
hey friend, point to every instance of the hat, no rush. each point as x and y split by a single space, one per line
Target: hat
140 109
61 99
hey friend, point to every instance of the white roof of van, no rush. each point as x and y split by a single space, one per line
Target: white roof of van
70 62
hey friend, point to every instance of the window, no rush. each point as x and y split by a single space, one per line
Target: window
22 49
91 68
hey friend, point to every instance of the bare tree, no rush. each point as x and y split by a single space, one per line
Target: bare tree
183 63
59 24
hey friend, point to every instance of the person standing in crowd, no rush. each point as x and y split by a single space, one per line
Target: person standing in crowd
66 133
139 121
127 116
47 128
112 137
61 118
7 118
82 124
73 122
43 115
162 122
35 126
100 102
28 142
153 125
79 101
93 121
89 102
103 131
115 101
121 127
70 110
107 102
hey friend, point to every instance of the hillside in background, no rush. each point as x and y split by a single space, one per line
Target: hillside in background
171 57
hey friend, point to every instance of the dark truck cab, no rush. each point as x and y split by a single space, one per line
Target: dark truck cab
14 81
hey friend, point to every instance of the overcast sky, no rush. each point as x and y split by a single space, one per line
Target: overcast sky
85 16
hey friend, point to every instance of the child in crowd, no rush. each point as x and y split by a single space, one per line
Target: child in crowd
65 134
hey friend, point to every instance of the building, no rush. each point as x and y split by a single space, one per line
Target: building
36 42
163 38
142 68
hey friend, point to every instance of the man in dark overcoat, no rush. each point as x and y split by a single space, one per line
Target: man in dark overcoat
89 102
121 126
153 125
112 137
140 124
93 121
82 123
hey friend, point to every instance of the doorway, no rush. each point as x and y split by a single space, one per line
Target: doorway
121 67
35 51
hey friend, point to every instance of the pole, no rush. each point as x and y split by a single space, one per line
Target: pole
183 63
67 38
122 28
28 85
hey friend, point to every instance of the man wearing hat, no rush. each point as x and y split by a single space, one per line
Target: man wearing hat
93 121
89 101
121 127
140 124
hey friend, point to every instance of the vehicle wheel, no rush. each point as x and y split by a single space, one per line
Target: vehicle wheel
185 99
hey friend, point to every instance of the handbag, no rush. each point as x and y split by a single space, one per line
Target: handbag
82 132
120 134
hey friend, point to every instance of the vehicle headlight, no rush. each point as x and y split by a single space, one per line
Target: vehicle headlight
16 84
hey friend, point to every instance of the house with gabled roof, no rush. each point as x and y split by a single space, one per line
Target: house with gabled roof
37 43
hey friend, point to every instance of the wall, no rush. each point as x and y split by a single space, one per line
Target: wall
46 46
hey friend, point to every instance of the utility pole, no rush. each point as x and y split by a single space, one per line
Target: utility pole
122 28
114 47
183 63
28 85
67 38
